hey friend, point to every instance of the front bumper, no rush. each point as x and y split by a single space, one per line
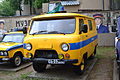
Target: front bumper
52 61
4 59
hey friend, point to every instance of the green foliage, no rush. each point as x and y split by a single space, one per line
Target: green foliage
116 4
9 7
15 4
38 3
103 52
6 9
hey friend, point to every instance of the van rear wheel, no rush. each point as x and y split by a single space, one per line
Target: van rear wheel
80 68
39 67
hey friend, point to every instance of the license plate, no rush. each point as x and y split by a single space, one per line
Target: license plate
55 61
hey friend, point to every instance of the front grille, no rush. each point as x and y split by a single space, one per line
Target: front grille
49 54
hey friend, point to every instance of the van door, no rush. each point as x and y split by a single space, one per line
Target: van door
91 35
83 36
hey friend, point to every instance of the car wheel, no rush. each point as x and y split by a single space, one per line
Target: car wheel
80 68
39 67
16 60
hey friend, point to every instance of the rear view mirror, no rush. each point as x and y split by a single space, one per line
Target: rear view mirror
85 28
24 30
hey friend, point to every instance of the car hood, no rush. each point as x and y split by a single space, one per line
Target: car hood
10 46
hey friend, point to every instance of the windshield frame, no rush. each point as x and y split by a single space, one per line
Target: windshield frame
53 19
13 34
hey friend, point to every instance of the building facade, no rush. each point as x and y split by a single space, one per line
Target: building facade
79 5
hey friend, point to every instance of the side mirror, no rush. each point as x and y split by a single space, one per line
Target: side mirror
85 28
24 30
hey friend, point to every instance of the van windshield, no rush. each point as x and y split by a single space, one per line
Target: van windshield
57 26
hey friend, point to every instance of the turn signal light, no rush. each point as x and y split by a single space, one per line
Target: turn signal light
29 55
67 55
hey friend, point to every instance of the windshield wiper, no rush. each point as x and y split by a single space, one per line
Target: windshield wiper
39 32
56 32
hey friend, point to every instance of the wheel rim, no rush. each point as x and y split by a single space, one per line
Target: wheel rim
17 61
82 65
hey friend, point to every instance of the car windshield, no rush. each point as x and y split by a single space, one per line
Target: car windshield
58 26
18 38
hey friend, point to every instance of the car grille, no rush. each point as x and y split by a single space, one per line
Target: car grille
49 54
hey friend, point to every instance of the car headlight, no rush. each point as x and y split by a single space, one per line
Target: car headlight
2 53
65 47
5 53
28 46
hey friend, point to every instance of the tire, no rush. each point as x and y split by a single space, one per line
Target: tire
79 70
16 60
38 67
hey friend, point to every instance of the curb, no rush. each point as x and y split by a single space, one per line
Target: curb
90 69
115 71
7 67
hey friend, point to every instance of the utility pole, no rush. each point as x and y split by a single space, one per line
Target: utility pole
31 7
20 8
103 4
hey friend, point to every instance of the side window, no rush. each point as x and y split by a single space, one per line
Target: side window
90 24
81 23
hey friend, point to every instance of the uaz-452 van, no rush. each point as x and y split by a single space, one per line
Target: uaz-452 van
61 38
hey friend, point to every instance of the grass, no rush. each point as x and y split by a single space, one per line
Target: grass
103 52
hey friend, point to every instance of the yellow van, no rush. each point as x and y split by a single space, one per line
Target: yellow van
11 48
61 38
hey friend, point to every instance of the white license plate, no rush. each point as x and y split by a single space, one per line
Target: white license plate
55 61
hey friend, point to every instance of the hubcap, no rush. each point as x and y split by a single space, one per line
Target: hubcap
17 60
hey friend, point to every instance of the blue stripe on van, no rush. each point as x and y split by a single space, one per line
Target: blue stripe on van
78 45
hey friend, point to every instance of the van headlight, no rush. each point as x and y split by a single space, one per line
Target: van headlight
65 47
28 46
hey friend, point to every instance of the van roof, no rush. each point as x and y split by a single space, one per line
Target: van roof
45 16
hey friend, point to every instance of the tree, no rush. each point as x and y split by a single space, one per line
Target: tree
16 5
35 3
38 3
10 6
116 4
6 9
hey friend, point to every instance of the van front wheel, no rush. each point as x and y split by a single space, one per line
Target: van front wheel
39 67
80 68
